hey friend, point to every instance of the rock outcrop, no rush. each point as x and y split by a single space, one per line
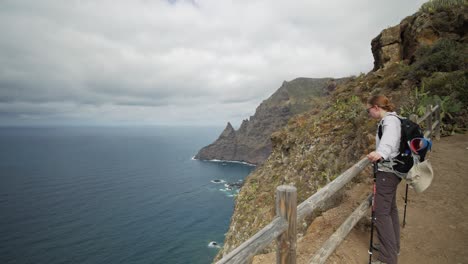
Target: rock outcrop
251 142
400 42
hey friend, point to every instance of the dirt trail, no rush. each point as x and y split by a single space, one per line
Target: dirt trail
436 231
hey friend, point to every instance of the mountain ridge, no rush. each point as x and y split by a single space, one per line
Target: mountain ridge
251 142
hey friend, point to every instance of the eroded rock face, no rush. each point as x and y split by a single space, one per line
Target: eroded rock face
251 142
386 47
223 149
400 42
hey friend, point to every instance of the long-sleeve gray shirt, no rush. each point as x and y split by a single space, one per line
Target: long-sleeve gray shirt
388 146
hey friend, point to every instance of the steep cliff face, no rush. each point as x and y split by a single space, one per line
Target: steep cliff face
426 50
401 42
251 142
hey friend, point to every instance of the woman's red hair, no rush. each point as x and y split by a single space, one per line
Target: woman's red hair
382 101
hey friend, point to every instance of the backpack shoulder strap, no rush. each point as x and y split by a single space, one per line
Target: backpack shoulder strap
380 130
397 116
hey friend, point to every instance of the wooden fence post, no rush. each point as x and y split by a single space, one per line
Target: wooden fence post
429 119
286 207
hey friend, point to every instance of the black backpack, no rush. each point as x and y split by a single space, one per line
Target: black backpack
409 130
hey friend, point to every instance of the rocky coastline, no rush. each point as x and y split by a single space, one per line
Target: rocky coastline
251 143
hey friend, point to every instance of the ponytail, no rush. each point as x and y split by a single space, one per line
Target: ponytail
382 102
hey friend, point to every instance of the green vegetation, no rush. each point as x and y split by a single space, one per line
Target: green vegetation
433 6
420 99
348 108
448 84
440 70
445 55
393 76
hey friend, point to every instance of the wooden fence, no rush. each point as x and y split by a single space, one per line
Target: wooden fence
283 227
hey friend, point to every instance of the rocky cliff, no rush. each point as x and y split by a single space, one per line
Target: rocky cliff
400 42
418 62
251 142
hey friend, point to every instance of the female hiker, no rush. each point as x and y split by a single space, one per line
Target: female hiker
387 144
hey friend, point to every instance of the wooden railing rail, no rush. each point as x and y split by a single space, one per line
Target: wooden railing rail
283 226
335 240
313 202
265 236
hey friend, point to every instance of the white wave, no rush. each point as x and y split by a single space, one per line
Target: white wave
214 244
228 161
218 181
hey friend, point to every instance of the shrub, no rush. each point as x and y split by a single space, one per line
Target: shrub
450 106
348 108
454 84
433 6
444 56
390 81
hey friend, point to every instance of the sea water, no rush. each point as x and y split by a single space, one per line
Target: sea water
112 195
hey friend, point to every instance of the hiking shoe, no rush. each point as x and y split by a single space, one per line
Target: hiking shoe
376 247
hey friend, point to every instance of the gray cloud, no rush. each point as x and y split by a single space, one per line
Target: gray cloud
174 62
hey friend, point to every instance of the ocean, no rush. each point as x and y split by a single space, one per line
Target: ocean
112 195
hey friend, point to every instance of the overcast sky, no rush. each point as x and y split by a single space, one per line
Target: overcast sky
198 62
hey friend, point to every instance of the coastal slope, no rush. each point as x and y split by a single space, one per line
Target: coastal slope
251 142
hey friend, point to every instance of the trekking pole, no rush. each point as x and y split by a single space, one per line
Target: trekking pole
371 246
406 202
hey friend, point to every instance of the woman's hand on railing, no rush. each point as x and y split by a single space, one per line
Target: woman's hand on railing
374 156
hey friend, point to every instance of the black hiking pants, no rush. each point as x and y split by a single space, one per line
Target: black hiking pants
387 222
